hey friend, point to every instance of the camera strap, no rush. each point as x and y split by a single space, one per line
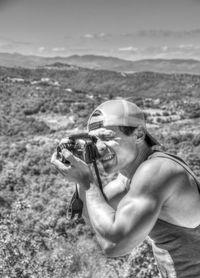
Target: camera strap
75 207
76 204
98 178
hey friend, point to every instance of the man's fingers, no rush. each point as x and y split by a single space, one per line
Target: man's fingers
65 140
58 164
71 158
54 158
68 156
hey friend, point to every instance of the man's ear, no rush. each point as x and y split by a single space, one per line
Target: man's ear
140 133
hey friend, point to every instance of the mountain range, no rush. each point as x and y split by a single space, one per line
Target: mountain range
102 62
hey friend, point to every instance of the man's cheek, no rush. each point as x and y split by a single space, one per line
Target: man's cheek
110 166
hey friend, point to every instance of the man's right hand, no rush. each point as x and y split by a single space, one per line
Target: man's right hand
75 170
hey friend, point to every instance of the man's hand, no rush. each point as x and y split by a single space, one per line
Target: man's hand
74 170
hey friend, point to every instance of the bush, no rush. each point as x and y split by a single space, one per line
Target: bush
165 113
196 140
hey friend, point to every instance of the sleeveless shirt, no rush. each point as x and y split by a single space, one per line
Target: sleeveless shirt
176 249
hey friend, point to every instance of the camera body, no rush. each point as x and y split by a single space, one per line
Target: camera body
82 145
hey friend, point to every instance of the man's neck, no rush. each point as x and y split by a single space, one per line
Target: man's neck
143 152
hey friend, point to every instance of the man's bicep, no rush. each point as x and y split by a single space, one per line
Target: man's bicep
134 219
141 206
137 214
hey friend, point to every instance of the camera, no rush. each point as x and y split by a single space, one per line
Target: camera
82 145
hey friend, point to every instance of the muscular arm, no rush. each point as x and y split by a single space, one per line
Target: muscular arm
124 228
122 224
114 192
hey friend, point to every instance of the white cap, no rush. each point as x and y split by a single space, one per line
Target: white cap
118 113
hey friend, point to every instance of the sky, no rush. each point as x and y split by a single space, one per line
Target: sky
128 29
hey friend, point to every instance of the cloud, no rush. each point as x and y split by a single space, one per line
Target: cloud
165 48
154 33
7 40
168 33
189 46
129 38
101 35
10 45
128 48
88 36
95 36
41 49
178 49
182 51
58 49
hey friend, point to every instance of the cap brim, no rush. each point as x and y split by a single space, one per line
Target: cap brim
152 139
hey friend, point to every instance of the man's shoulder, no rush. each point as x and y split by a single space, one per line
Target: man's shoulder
159 166
157 175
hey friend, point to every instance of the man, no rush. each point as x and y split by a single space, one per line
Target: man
154 194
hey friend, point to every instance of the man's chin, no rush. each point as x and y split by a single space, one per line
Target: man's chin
108 168
109 165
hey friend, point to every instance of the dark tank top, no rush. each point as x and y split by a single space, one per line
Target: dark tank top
176 249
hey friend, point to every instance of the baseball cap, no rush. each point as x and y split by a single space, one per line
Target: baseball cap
118 112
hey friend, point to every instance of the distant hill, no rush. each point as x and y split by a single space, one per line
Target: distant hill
102 62
154 65
28 61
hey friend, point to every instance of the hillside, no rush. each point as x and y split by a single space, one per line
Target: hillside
103 62
153 65
40 106
144 84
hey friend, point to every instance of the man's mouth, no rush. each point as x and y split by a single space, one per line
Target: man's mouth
107 157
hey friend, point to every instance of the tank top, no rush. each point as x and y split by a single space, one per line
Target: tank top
176 249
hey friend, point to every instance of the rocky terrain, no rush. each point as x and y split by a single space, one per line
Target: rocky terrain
38 107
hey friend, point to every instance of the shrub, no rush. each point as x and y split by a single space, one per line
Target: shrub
196 140
165 113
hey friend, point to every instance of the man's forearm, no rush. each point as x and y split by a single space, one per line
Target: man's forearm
82 195
114 192
101 214
103 242
97 198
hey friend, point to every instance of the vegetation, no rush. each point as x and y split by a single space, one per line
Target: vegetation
36 238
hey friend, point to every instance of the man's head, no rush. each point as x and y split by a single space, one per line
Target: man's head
126 121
